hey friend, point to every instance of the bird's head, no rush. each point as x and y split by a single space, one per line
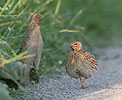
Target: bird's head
76 46
36 19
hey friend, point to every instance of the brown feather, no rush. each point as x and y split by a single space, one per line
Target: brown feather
90 58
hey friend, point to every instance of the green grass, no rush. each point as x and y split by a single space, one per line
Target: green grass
93 22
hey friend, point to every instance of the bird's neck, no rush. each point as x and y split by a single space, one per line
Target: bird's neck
76 50
81 51
33 27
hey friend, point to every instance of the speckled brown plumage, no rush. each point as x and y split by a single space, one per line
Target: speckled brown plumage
90 58
80 63
33 43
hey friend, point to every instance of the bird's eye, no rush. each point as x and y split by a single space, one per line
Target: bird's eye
75 44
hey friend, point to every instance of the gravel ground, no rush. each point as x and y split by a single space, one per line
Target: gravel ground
106 84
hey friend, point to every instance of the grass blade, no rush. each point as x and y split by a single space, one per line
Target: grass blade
57 8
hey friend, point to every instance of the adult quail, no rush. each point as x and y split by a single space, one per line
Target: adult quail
33 44
80 64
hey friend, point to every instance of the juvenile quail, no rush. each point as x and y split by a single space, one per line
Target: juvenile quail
33 44
80 64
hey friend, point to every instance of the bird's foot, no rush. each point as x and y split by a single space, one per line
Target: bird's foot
34 75
83 87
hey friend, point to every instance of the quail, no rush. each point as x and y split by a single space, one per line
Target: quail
80 64
33 44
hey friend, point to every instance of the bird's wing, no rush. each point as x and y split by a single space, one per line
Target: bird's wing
24 44
86 55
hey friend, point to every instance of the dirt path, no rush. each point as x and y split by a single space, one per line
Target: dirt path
106 84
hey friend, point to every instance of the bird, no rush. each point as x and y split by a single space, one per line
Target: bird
33 44
80 64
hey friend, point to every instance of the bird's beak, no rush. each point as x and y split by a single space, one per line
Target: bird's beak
41 16
72 48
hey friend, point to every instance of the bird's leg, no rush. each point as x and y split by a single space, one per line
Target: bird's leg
82 83
34 75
